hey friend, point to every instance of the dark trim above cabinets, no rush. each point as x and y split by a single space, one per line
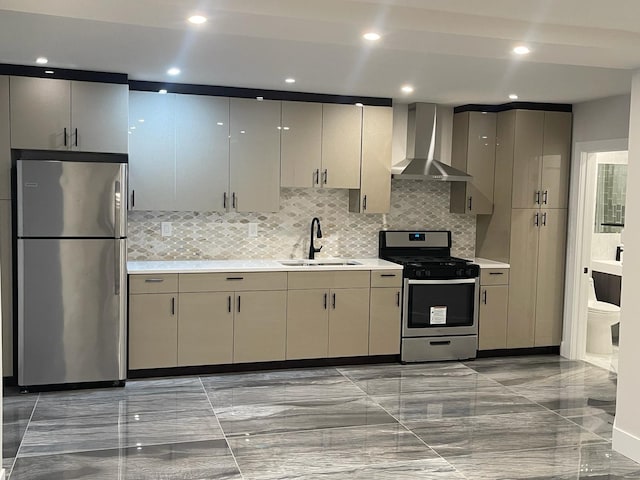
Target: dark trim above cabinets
238 92
63 74
547 107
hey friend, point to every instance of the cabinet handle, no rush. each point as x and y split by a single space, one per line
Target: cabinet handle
173 305
496 273
388 275
545 196
333 301
397 299
153 280
325 301
238 303
133 198
229 303
317 176
470 203
65 136
484 297
537 199
76 137
536 220
544 219
233 200
364 203
224 200
326 175
235 278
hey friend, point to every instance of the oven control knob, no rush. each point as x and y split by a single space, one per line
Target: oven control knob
460 273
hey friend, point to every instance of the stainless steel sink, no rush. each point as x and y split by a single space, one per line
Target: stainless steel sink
318 263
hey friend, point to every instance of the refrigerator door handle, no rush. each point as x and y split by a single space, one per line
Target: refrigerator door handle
119 203
116 206
118 272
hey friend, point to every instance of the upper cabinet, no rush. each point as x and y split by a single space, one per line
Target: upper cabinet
5 145
541 159
52 114
321 145
473 151
254 166
374 194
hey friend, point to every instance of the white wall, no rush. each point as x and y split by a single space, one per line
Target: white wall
626 432
603 119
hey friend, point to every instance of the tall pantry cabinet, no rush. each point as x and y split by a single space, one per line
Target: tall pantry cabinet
528 226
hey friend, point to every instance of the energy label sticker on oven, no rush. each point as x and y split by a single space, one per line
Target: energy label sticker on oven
438 316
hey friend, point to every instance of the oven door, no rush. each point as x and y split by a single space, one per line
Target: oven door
440 307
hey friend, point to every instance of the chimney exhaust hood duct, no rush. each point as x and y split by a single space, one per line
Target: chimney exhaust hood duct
423 140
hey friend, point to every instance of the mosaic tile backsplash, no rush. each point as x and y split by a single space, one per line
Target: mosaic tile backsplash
415 204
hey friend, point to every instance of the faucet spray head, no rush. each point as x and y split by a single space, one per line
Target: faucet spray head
319 232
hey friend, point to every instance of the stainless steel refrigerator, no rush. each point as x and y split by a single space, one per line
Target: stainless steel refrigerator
71 229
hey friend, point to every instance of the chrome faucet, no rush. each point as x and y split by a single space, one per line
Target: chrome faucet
312 249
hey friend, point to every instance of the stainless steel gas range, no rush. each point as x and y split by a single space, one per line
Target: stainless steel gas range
440 295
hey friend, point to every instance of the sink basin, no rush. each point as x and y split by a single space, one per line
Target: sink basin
318 263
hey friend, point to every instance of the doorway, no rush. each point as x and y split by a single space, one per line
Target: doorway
596 218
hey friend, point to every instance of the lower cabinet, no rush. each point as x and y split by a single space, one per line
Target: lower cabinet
153 330
349 322
494 306
384 322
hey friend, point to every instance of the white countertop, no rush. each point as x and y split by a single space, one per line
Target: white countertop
486 263
612 267
208 266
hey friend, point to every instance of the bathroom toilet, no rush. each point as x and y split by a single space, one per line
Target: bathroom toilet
601 316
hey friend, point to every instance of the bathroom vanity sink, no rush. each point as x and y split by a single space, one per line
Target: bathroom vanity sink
612 267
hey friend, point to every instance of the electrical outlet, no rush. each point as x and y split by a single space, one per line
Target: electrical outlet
165 229
253 229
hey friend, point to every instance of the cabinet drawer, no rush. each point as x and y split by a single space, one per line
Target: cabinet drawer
232 281
161 283
386 278
329 279
494 276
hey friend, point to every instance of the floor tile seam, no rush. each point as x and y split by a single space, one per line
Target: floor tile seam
224 435
290 403
414 434
24 433
307 430
120 447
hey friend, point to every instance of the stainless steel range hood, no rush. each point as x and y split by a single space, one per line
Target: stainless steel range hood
424 136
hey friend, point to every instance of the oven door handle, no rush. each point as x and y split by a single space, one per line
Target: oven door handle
452 281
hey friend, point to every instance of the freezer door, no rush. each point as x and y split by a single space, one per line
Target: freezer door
71 311
71 199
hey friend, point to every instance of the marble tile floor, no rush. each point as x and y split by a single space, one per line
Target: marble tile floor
535 418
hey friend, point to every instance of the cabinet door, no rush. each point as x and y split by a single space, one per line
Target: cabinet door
527 158
6 285
99 117
205 328
307 324
384 321
341 145
260 326
550 285
40 113
152 151
301 144
202 153
255 155
481 158
522 279
494 303
374 195
556 160
153 331
349 322
5 141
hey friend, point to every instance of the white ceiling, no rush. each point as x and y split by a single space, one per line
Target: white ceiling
451 51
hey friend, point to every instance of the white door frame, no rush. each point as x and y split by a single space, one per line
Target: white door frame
574 335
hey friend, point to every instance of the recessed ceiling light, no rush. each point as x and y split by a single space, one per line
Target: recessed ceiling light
220 123
290 80
521 50
197 19
260 99
42 60
173 71
359 104
513 96
49 72
407 89
371 36
162 91
141 120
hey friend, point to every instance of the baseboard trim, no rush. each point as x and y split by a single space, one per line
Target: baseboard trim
626 444
2 477
513 352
